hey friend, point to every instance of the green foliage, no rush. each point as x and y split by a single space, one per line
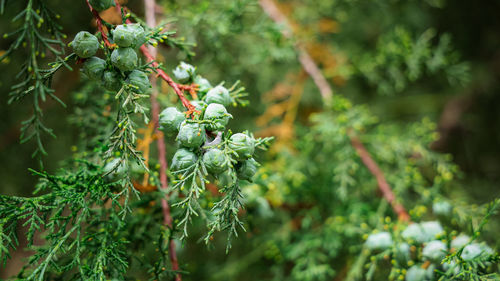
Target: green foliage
39 34
310 207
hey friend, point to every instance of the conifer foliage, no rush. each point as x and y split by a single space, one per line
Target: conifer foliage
122 209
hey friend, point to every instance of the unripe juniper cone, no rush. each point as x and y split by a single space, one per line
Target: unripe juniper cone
183 158
111 81
123 36
94 68
85 44
203 84
248 169
184 72
139 81
170 120
191 135
101 5
215 161
243 145
218 113
220 95
124 59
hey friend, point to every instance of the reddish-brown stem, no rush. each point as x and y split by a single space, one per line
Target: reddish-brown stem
314 72
305 59
167 217
162 155
100 27
170 82
151 59
383 186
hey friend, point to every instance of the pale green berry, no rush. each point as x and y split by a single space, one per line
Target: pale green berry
379 241
219 95
140 81
124 59
115 168
198 104
139 35
247 169
415 273
184 72
101 5
403 252
471 251
94 68
435 251
183 159
431 229
123 35
414 232
225 179
460 241
218 113
243 145
442 208
171 119
215 161
191 135
203 84
111 81
85 44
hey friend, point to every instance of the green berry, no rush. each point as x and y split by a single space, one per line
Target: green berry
85 44
451 267
403 252
171 119
471 251
247 169
129 35
183 159
124 59
123 35
442 208
415 273
226 179
111 81
434 251
184 72
430 272
139 35
198 104
215 161
379 241
115 168
191 135
140 81
460 241
414 232
94 68
243 145
219 95
218 113
431 229
203 84
101 5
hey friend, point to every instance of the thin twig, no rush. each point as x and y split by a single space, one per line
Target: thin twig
314 72
383 186
305 59
162 155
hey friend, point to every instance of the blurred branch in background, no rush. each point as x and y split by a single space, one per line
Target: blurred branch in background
326 91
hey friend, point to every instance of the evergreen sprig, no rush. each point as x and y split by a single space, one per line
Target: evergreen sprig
40 34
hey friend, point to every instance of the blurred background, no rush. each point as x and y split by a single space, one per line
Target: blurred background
404 60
